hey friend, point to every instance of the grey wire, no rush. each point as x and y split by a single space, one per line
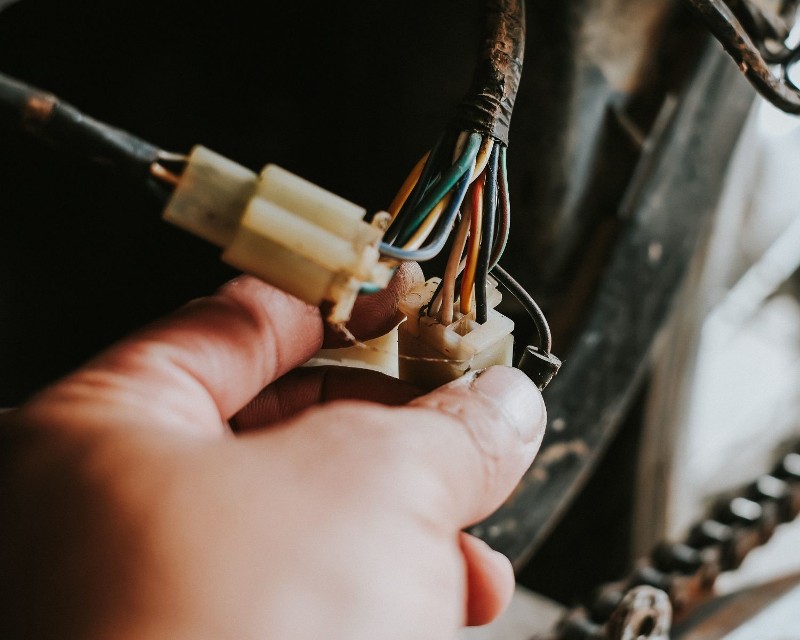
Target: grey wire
533 309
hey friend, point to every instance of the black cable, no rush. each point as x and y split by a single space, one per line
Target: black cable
441 155
45 116
525 299
490 201
489 104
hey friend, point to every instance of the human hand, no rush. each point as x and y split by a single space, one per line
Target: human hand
132 509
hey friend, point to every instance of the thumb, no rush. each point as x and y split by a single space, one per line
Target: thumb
483 432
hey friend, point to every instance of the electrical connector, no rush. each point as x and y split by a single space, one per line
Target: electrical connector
433 354
281 228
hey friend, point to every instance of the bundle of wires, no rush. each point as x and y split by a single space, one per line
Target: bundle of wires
458 192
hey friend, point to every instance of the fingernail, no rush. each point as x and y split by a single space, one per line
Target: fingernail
520 399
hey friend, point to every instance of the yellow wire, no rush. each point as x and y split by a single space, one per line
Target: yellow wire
421 234
471 268
483 159
408 186
451 270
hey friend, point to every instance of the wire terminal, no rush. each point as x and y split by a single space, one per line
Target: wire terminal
281 228
433 354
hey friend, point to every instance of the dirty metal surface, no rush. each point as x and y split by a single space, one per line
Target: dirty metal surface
588 399
756 38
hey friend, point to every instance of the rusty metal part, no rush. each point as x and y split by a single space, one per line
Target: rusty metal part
679 577
755 38
644 613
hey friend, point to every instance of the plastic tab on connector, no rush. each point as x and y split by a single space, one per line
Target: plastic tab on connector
540 367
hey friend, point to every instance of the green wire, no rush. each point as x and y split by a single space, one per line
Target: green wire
441 188
504 178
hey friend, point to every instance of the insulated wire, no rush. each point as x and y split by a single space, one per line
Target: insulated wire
427 226
408 186
525 299
428 175
452 268
483 158
442 232
162 173
418 239
473 247
487 238
504 227
429 223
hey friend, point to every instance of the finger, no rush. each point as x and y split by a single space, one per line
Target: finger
490 581
197 367
480 435
375 315
304 388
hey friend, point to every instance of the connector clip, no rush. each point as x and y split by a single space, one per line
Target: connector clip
281 228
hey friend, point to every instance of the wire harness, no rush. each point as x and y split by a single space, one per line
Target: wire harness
458 193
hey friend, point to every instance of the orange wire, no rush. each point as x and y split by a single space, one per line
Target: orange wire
158 171
408 186
474 245
421 234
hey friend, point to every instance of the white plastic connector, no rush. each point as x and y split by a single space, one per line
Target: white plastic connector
378 354
433 354
281 228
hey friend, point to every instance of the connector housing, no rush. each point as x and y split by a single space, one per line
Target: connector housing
433 354
281 228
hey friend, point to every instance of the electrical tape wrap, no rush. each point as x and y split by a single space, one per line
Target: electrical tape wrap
44 115
489 104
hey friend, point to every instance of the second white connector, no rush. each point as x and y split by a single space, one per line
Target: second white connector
281 228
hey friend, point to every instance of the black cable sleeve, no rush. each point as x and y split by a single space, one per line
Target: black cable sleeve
45 116
490 202
489 104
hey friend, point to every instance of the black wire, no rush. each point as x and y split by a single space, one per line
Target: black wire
441 153
487 236
426 309
441 231
525 299
488 105
45 116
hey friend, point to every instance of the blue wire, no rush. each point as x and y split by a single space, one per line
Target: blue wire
441 233
429 175
438 191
